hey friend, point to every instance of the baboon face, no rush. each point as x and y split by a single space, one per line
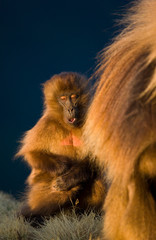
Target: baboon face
69 102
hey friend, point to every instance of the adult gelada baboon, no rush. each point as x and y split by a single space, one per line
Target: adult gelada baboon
61 171
122 133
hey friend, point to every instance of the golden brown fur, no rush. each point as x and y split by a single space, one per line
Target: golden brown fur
62 173
122 133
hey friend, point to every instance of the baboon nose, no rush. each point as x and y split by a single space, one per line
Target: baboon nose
70 110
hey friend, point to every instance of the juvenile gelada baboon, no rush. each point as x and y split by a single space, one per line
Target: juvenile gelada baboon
122 133
61 171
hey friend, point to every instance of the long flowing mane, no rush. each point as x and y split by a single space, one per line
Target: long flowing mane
125 121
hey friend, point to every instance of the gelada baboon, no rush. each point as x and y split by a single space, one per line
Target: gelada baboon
122 133
62 173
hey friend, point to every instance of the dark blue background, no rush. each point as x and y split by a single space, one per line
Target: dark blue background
38 39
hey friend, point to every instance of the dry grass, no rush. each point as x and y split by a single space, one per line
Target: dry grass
62 227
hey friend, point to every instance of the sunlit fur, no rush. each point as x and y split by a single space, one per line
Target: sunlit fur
121 126
61 176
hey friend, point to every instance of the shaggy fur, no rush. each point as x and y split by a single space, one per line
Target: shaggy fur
122 133
62 174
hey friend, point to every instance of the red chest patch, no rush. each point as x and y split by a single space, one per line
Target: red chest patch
71 140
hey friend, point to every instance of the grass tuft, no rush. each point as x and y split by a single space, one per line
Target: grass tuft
67 226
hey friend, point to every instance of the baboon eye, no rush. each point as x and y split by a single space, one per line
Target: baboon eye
73 96
63 98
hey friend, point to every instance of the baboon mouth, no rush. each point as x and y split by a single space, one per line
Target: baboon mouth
71 120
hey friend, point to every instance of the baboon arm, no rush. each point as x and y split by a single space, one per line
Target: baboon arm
48 161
